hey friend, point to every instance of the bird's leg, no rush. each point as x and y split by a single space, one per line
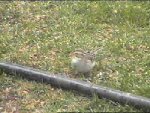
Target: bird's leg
76 73
87 76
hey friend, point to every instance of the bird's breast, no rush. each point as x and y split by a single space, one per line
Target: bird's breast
82 65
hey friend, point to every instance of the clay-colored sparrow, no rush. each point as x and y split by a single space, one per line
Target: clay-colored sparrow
82 61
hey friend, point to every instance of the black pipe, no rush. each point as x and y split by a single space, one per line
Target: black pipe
61 81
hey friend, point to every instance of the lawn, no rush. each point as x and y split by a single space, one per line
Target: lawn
42 35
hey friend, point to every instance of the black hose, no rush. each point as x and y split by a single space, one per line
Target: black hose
61 81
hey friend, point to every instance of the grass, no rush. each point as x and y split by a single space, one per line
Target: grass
42 34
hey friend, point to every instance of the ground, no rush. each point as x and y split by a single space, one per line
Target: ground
42 34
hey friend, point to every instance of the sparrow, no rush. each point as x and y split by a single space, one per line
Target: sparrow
82 61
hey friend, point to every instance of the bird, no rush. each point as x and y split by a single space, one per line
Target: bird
82 61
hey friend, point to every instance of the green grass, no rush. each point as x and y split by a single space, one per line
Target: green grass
42 34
